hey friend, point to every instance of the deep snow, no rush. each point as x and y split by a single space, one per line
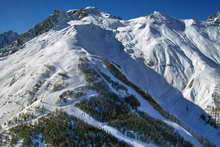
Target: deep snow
175 61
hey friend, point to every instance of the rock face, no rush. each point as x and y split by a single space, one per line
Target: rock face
215 19
7 38
84 75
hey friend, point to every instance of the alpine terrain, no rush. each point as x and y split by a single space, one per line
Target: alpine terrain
87 78
7 38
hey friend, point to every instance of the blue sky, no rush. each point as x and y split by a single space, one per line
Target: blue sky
20 15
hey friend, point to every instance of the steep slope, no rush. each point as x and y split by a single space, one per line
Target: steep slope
104 75
185 52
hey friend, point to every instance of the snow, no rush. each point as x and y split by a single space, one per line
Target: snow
178 59
160 54
148 109
39 141
88 119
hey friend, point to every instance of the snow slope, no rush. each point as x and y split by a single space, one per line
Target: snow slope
176 61
182 51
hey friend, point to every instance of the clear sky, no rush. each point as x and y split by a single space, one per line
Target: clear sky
20 15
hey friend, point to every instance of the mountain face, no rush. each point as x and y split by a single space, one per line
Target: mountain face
214 19
7 38
86 78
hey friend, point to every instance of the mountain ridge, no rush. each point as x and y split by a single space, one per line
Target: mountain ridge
157 59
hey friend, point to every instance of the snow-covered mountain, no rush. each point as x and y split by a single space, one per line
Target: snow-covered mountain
215 19
7 38
84 77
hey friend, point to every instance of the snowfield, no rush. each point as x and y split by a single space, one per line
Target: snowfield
176 61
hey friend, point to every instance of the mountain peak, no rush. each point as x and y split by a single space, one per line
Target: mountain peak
90 10
79 62
157 13
159 17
